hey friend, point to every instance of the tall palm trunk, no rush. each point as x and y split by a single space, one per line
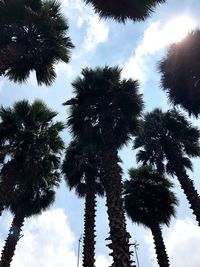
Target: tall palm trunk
6 186
112 182
190 192
9 55
11 241
89 225
5 192
161 253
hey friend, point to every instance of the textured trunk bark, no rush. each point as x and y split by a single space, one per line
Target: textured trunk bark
4 195
6 186
161 253
119 237
89 226
190 192
9 55
11 241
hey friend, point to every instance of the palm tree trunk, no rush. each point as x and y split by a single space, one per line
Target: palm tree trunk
11 241
162 257
89 226
2 197
5 193
190 192
9 55
7 184
112 182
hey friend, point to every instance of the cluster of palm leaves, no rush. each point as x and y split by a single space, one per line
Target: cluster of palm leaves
105 114
122 10
33 38
30 160
149 201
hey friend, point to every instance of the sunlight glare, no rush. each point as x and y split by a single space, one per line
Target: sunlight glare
177 28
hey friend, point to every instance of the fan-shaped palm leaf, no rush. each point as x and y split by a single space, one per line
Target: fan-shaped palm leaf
82 171
104 112
122 10
33 38
180 73
168 141
150 201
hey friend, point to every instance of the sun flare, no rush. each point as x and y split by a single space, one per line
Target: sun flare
177 28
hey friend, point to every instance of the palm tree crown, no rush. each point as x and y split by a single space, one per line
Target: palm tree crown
105 107
83 171
27 131
33 38
81 166
105 112
167 137
168 141
29 202
150 201
28 198
30 151
180 74
30 138
123 10
148 198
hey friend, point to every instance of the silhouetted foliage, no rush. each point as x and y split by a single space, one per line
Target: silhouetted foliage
121 10
33 38
105 112
150 201
180 73
167 141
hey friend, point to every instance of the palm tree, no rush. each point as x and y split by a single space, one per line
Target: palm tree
30 139
122 10
167 140
149 201
180 73
82 172
33 38
25 203
104 112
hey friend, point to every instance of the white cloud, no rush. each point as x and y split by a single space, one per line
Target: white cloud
66 68
156 37
84 17
47 241
102 261
182 243
65 3
78 5
135 67
97 32
73 4
152 256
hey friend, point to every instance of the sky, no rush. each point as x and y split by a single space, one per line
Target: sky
51 239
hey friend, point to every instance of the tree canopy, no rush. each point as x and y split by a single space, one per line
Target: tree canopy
180 73
33 38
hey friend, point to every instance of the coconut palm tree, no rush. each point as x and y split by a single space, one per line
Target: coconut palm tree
122 10
180 73
167 140
30 139
149 201
104 112
33 38
25 203
82 171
